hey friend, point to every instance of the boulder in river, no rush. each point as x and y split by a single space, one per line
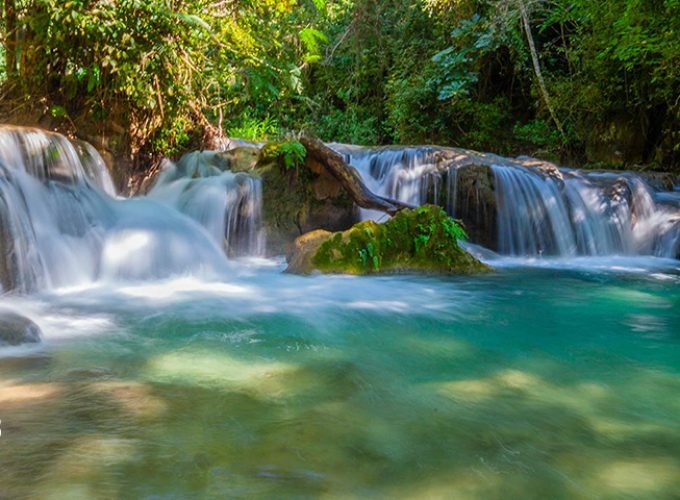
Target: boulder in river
16 329
423 240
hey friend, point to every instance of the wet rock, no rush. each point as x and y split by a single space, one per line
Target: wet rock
661 181
241 159
476 204
305 247
296 202
16 329
423 240
617 141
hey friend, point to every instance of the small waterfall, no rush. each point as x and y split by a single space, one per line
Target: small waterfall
532 215
52 213
538 211
580 213
60 225
228 205
412 175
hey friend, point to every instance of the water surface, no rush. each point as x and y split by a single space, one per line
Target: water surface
558 380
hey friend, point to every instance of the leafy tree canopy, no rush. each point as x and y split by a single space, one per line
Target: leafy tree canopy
581 80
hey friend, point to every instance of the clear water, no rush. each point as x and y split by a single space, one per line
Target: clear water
558 380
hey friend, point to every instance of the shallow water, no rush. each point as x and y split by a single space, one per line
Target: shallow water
558 380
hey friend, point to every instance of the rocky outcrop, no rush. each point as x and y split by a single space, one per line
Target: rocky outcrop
476 204
16 329
423 240
295 201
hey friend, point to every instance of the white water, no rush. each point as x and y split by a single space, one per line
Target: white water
228 205
581 214
257 383
60 225
412 175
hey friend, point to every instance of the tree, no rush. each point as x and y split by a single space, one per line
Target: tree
162 70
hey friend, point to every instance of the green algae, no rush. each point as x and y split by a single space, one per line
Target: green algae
423 239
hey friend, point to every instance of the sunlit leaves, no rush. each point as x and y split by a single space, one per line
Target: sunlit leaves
168 65
312 40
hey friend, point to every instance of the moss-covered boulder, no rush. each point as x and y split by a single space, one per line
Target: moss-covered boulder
422 239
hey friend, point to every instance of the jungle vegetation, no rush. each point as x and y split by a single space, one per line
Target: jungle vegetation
578 81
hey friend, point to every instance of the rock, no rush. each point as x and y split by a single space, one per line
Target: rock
7 275
297 202
660 181
16 329
619 140
420 240
476 204
306 247
241 159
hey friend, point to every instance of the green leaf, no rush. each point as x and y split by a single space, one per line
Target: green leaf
58 111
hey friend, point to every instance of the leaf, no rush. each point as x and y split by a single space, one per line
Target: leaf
312 39
58 111
194 21
94 79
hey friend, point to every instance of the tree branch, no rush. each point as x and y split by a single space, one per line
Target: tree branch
349 178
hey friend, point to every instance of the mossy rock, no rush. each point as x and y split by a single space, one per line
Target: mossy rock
422 239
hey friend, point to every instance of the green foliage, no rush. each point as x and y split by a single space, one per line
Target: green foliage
290 154
458 72
454 72
256 129
165 70
312 40
352 126
538 132
456 64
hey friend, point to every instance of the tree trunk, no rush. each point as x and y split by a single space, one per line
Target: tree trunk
349 178
10 37
537 67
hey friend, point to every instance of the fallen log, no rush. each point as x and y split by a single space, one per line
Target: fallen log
349 178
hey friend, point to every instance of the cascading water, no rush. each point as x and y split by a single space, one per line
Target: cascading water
558 212
228 205
60 225
51 214
412 175
576 213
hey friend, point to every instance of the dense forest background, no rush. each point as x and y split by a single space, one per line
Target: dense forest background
578 81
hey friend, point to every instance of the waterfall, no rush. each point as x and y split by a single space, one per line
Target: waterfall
228 205
538 211
412 175
60 224
581 213
52 211
532 215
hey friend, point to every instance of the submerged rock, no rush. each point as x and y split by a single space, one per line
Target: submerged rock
423 239
16 329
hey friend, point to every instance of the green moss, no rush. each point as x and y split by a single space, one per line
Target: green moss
421 239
